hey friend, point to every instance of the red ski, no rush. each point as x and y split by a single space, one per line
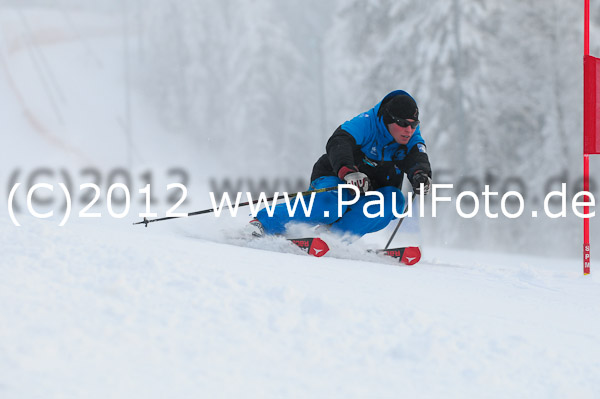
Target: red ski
407 255
312 246
317 247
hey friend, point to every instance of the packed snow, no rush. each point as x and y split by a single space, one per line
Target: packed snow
111 310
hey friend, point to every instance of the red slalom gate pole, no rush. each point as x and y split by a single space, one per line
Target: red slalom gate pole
586 157
586 220
586 29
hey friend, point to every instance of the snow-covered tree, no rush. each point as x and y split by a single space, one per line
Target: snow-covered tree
229 73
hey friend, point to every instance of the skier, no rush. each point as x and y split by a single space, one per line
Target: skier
372 151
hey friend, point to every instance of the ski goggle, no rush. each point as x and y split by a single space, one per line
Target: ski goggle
403 122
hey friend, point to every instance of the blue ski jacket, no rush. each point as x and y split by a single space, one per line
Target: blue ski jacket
366 143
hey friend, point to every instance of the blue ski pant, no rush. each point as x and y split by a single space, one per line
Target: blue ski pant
325 210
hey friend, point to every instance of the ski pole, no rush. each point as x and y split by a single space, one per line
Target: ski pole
210 210
398 225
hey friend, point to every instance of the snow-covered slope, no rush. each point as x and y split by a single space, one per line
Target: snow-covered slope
100 310
103 309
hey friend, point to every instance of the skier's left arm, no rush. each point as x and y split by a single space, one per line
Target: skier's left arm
418 168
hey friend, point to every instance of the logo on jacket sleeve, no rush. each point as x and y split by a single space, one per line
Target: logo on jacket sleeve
422 148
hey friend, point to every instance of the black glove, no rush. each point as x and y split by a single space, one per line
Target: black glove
421 177
352 176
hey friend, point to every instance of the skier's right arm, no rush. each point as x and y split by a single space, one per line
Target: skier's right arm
340 150
348 139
